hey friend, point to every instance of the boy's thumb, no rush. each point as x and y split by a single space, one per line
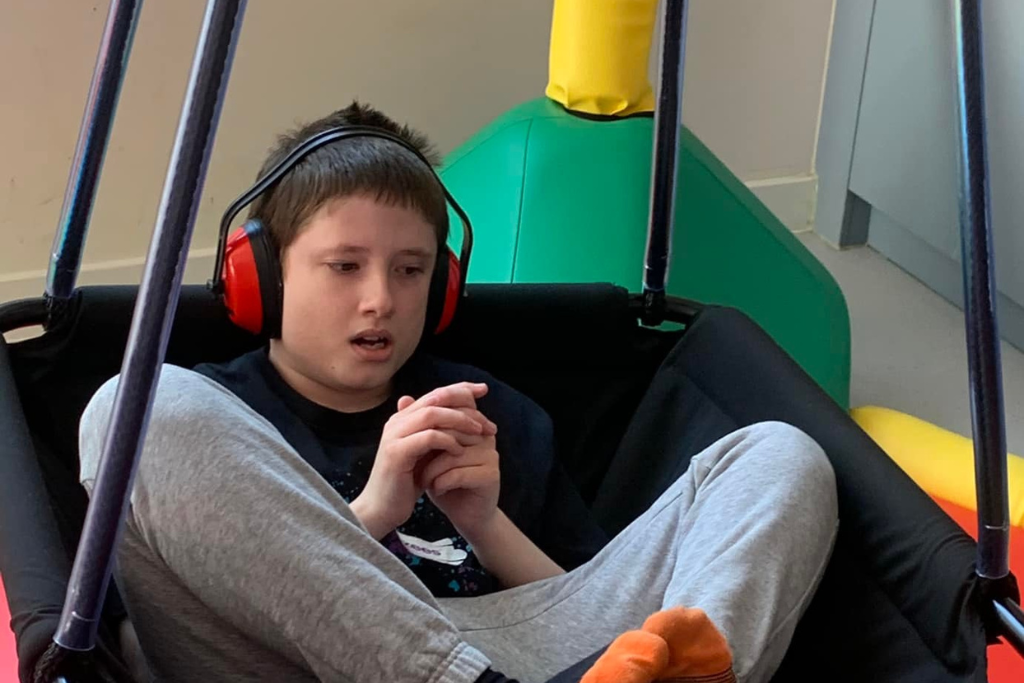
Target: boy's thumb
405 402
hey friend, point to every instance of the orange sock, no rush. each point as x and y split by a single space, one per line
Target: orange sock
633 657
697 649
679 644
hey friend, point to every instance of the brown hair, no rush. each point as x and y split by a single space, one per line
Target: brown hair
379 168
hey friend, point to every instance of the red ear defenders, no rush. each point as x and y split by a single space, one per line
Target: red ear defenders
247 273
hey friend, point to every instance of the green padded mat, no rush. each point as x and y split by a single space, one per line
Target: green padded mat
555 197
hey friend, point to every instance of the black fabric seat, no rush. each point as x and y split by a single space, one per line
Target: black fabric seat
899 601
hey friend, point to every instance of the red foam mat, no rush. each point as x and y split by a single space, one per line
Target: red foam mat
8 658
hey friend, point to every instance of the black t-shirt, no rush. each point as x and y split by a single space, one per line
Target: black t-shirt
536 494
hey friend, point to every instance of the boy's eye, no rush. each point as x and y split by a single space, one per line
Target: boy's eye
343 267
411 270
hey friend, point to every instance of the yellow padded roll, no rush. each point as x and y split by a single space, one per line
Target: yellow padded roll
598 59
939 461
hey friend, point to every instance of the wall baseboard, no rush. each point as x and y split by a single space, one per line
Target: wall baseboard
28 284
791 198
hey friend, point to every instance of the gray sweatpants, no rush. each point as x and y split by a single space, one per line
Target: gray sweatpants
240 562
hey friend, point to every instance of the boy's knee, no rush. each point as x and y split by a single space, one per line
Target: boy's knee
186 402
170 405
795 467
183 405
788 453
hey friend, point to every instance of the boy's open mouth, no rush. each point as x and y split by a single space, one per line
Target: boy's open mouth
372 340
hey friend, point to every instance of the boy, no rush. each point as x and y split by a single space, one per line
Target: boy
339 506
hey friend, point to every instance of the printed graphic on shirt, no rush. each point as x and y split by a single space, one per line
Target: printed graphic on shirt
447 566
443 551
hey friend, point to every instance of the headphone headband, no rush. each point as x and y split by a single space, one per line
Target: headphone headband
309 146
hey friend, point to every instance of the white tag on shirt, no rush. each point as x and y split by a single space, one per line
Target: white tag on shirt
443 551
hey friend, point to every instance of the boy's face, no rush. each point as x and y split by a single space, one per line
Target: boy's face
356 284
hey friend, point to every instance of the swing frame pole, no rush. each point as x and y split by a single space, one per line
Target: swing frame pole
668 120
981 317
151 323
90 150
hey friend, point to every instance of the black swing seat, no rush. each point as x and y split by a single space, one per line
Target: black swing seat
899 601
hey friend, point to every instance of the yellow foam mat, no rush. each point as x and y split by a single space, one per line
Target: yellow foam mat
941 462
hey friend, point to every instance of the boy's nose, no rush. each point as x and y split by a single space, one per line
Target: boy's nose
377 297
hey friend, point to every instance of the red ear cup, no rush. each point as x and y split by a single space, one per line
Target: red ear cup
452 293
241 283
251 281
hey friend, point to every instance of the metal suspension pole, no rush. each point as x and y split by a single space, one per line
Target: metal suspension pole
980 297
101 105
151 324
668 119
980 316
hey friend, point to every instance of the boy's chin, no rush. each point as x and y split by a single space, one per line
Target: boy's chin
360 376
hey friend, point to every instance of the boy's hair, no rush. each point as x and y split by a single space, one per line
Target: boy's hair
372 166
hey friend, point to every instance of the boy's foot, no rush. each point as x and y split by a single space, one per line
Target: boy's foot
633 657
677 645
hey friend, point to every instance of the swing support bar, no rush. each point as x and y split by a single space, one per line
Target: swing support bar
80 194
980 316
151 324
668 119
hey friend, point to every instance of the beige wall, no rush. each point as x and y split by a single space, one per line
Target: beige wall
755 74
754 80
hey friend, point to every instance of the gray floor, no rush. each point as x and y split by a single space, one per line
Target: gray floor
909 344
